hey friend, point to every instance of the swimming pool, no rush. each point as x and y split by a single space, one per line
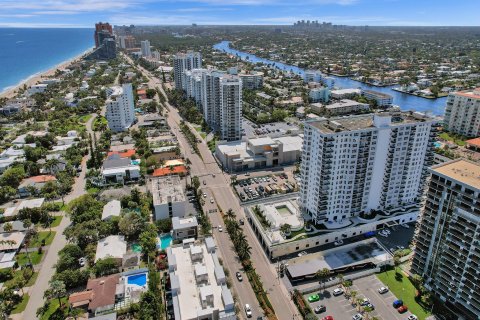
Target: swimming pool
437 144
165 241
135 162
138 279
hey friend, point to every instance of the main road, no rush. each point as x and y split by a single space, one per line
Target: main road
218 187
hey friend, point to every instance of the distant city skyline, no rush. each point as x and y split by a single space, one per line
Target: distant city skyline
84 13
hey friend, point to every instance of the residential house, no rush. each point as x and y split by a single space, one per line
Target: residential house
113 246
119 170
37 182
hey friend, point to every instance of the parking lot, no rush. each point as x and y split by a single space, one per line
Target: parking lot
252 130
341 308
398 238
265 186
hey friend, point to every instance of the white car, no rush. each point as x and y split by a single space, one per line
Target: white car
204 195
337 292
387 231
302 253
211 200
248 311
412 317
358 316
338 242
220 229
405 226
383 234
382 290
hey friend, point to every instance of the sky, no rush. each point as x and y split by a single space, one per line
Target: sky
84 13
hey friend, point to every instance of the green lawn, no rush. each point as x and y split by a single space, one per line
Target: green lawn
85 118
459 140
34 256
18 274
403 289
22 305
52 307
42 235
56 221
93 190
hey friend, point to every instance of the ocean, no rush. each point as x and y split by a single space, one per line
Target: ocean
25 52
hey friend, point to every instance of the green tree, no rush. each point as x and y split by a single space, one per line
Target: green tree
56 290
148 241
131 224
164 225
12 176
230 214
105 266
323 275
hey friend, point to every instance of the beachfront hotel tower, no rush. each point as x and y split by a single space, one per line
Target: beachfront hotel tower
353 165
120 111
102 30
462 113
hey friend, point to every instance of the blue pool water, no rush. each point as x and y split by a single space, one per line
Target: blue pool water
437 144
165 241
138 279
135 162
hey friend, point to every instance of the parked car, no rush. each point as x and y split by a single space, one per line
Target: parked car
405 226
327 318
397 303
220 229
337 292
204 182
211 200
241 221
387 231
338 242
248 311
365 301
239 276
402 309
383 290
358 316
313 298
412 317
302 253
369 305
320 309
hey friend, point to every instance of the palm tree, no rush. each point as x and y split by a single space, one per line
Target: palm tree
322 275
358 302
56 290
367 310
244 251
230 214
52 164
353 294
286 228
7 227
340 278
27 224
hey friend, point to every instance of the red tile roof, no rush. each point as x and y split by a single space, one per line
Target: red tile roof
474 142
126 154
103 291
80 298
167 171
42 178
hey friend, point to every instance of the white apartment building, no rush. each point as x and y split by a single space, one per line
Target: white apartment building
312 76
320 94
361 163
198 283
345 93
345 106
168 197
230 108
462 113
145 48
120 111
219 96
183 62
252 80
382 99
447 250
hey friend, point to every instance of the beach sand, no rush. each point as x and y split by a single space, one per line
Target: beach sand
34 79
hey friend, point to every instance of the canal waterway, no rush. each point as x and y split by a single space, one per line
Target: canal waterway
405 101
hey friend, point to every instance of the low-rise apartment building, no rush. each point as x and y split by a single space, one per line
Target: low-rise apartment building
382 99
198 283
345 106
168 197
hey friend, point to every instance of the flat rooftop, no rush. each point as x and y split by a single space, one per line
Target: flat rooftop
475 93
378 93
461 170
193 288
360 122
345 103
338 258
167 189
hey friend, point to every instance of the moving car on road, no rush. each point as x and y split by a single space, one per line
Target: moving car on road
239 276
220 229
338 242
248 311
313 298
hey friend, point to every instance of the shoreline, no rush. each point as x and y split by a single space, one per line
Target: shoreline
10 92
